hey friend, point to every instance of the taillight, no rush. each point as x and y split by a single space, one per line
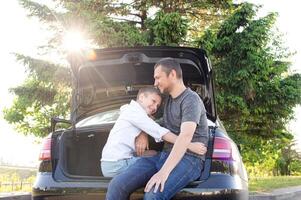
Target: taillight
45 153
222 149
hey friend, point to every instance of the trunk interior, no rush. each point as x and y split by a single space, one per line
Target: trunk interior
81 151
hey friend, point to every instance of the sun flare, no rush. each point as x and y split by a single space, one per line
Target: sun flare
74 41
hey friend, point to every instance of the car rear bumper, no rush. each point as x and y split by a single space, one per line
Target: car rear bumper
213 188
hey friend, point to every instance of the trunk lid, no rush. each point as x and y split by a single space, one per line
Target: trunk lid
111 76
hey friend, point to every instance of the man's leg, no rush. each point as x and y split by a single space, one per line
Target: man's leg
136 176
187 170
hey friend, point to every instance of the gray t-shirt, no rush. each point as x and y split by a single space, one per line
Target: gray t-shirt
188 106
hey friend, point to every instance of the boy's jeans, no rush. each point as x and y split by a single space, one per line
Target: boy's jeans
138 174
113 168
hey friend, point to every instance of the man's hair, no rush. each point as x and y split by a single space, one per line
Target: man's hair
148 90
169 64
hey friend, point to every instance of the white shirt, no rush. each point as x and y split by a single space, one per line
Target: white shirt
132 120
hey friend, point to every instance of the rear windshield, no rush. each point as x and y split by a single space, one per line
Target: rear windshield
111 116
100 118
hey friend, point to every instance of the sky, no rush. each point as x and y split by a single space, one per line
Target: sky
18 34
23 35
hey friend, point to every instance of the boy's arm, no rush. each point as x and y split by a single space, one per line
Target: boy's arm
147 125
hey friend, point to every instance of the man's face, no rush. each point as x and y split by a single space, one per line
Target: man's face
162 80
150 102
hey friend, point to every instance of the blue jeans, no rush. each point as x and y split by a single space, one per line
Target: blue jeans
113 168
138 174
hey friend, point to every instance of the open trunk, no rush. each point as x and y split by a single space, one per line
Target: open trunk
81 151
112 78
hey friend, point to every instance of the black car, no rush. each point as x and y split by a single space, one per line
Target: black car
105 79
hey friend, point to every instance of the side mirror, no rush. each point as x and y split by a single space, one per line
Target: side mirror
55 120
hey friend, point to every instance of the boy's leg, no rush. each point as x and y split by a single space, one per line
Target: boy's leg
187 170
112 168
136 176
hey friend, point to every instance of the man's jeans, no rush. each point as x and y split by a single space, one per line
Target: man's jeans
138 174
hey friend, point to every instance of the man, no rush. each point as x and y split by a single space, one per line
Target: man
118 152
168 172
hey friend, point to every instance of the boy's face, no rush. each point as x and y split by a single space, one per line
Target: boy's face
150 102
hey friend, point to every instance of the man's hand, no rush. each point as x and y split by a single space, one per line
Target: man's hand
157 179
141 143
198 148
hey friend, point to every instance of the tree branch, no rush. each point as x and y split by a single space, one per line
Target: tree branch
127 20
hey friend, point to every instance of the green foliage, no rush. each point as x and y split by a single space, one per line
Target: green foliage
168 29
295 167
46 93
255 93
286 165
268 156
47 90
36 9
109 33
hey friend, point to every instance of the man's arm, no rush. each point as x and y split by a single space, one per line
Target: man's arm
195 147
176 154
142 143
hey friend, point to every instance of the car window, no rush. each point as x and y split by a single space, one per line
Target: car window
100 118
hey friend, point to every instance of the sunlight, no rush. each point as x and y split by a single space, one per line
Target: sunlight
74 41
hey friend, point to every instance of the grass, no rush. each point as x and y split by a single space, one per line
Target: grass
14 179
266 184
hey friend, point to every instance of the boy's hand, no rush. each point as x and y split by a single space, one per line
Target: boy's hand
141 143
198 148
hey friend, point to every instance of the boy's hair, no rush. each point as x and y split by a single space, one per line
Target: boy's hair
169 64
146 90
